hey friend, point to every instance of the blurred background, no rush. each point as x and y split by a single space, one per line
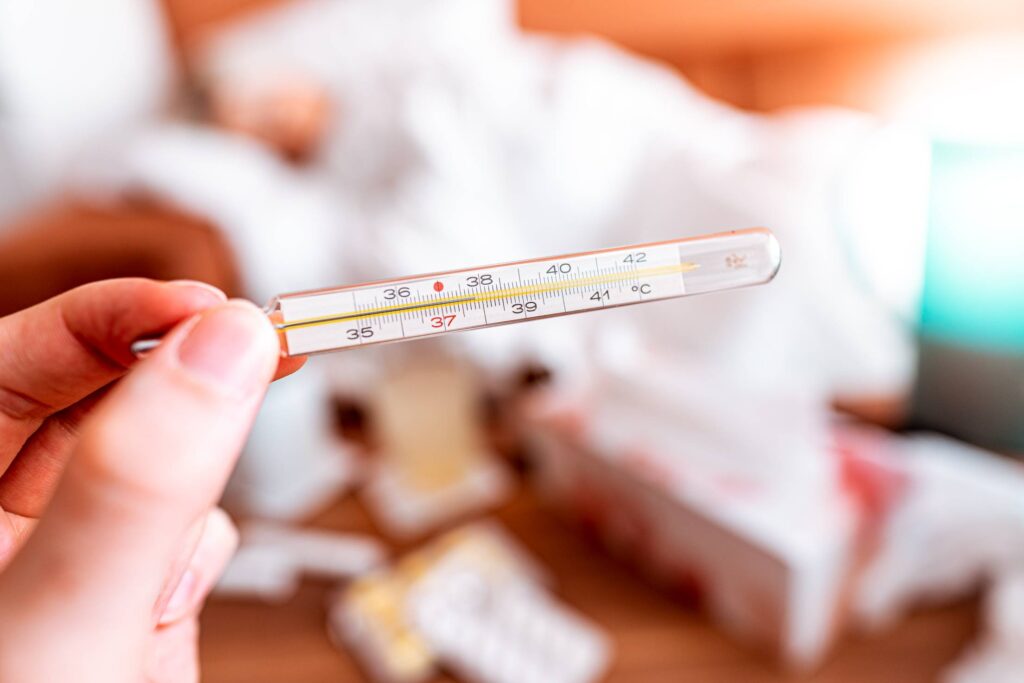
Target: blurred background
814 480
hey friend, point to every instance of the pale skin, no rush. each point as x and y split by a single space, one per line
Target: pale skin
110 473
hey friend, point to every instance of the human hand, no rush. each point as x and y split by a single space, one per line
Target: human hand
108 494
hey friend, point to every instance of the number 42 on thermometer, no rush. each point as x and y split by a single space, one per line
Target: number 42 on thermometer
437 303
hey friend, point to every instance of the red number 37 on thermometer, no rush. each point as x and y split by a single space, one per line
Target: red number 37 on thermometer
442 321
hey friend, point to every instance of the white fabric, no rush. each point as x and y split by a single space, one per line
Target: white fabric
75 75
959 524
458 140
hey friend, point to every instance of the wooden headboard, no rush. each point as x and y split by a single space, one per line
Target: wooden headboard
191 19
760 54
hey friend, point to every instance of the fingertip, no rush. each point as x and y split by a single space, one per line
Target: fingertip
288 365
223 529
269 345
201 290
110 315
231 347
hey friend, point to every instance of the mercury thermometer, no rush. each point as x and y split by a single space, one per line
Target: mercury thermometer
323 320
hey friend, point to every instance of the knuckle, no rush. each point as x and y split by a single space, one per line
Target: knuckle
110 463
21 407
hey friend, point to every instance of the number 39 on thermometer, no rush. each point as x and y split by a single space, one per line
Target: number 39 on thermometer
423 305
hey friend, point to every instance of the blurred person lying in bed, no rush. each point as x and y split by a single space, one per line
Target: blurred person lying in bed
434 134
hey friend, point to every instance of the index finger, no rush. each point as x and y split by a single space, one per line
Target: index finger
56 353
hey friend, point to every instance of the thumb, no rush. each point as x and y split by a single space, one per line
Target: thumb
152 459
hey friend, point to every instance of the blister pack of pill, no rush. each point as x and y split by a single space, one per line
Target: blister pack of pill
473 603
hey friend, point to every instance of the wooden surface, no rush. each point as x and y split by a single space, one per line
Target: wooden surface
655 638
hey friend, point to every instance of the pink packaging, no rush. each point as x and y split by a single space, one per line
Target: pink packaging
768 547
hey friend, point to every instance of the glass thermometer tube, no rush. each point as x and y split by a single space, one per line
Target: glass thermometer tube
426 305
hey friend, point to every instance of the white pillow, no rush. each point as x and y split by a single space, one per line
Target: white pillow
73 74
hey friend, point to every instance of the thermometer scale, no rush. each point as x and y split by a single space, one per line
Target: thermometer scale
407 308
